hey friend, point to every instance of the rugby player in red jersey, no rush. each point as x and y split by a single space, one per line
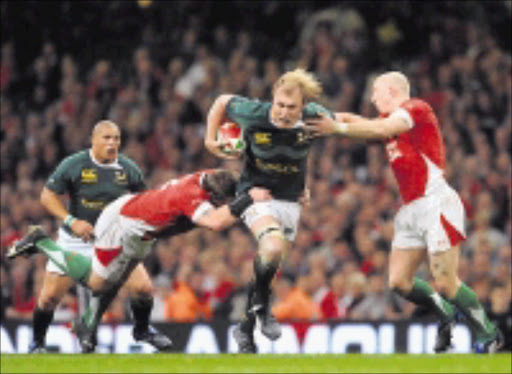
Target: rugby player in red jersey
127 228
431 220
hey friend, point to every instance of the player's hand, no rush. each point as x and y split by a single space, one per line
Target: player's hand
216 146
83 229
305 198
321 125
260 194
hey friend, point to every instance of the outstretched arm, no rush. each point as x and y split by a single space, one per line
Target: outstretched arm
226 215
214 120
355 126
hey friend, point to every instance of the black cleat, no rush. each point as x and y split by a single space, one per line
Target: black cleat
37 348
444 336
26 246
86 336
491 345
268 325
154 337
244 340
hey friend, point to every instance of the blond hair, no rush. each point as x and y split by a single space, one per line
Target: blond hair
309 85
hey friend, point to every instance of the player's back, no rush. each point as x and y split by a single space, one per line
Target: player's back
417 156
161 206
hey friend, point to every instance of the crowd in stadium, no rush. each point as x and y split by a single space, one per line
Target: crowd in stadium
338 266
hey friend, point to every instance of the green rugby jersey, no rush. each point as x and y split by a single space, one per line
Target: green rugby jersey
274 157
91 186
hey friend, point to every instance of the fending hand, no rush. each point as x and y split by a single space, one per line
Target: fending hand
321 125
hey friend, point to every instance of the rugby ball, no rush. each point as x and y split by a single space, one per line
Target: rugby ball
231 134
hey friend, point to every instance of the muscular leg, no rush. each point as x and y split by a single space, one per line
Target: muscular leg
272 246
54 288
444 270
140 289
403 266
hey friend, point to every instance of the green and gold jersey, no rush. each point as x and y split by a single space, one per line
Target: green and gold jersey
91 186
274 158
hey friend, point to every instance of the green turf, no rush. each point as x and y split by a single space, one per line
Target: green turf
228 363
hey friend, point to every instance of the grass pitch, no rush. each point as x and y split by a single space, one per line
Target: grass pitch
230 363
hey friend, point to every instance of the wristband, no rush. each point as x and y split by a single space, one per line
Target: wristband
341 127
68 221
240 204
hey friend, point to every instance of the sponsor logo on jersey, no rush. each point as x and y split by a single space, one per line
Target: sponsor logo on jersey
92 204
277 167
302 137
263 138
89 176
121 177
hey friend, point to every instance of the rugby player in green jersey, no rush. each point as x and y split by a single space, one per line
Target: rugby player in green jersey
275 157
91 178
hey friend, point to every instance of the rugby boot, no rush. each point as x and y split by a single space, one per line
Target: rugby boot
36 347
26 246
244 340
153 337
86 336
492 345
444 336
268 324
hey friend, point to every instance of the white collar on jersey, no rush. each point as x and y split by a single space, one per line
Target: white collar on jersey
299 123
112 165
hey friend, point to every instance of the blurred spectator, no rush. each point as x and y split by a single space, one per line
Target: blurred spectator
184 304
294 302
332 305
377 303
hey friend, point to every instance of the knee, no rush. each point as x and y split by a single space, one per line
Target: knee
272 247
48 302
142 290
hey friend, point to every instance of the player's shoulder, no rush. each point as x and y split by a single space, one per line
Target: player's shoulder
247 106
312 109
127 163
76 159
418 105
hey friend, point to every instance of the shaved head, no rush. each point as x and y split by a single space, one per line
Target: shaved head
396 80
389 91
101 125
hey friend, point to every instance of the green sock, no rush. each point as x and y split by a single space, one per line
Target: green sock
97 306
466 301
422 294
73 264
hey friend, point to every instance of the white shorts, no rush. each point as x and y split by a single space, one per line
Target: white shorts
286 212
69 243
435 222
118 241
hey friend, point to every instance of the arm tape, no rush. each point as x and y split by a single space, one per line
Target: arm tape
68 221
240 204
341 127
